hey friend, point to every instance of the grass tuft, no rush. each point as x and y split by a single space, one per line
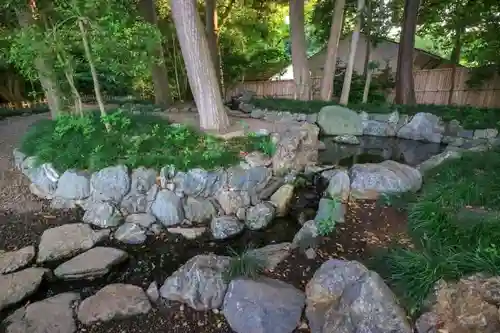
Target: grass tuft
243 265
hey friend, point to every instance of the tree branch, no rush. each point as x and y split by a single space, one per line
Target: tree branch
223 17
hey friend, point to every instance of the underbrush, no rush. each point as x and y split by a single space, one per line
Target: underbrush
470 117
134 140
455 226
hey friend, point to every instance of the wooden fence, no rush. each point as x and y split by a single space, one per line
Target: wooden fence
431 87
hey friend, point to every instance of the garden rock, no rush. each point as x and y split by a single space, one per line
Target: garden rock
453 128
167 208
131 233
144 220
330 211
68 240
260 215
94 263
296 148
422 127
256 159
52 315
257 114
253 179
231 200
281 199
74 185
225 227
347 139
115 301
15 287
188 233
44 176
369 180
339 185
338 120
262 306
271 255
437 160
427 323
110 184
19 158
199 182
142 180
377 128
199 210
306 236
102 215
344 296
153 292
489 133
60 203
136 202
14 260
39 193
198 283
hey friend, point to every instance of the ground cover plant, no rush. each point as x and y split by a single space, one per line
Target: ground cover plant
134 140
454 225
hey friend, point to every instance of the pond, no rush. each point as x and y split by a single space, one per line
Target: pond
374 149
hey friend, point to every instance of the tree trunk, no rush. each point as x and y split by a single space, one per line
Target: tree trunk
368 35
368 82
344 97
212 31
46 75
299 56
405 85
455 58
158 69
331 56
199 66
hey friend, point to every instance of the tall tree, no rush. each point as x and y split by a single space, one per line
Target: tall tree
199 65
344 97
300 63
331 55
405 84
158 69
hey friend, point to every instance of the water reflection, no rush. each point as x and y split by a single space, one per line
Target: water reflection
375 149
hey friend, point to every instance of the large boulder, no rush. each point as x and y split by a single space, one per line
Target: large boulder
43 177
110 184
338 120
370 179
198 283
74 185
344 296
262 306
296 148
423 127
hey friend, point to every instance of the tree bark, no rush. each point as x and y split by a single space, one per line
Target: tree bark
405 85
455 58
344 97
199 66
329 69
299 56
368 35
158 69
369 75
212 31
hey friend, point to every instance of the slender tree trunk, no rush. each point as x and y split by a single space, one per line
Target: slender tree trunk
405 85
369 75
331 56
212 31
93 71
158 69
299 56
199 66
455 58
344 97
69 74
368 35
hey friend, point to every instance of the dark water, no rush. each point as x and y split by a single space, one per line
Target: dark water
377 149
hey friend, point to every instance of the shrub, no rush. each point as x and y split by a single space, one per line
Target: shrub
244 265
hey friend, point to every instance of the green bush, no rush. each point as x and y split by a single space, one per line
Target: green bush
134 140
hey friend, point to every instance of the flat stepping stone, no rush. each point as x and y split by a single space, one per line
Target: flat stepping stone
94 263
52 315
115 301
68 240
17 286
14 260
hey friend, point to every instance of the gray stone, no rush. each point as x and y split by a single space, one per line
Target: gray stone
52 315
14 260
115 301
44 176
339 186
230 200
437 160
143 220
281 199
422 127
489 133
15 287
198 283
253 179
369 180
131 233
271 255
199 210
156 229
257 114
142 180
94 263
153 292
167 173
68 240
135 202
453 141
39 192
259 216
110 184
466 134
344 296
199 182
167 208
306 235
453 128
338 120
247 108
271 188
427 323
225 227
310 253
364 115
262 306
312 118
331 211
256 158
377 128
102 215
241 214
19 158
347 139
60 203
188 233
73 184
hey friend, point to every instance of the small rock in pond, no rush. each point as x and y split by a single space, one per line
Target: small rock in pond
131 233
15 287
188 233
115 301
13 260
94 263
225 227
52 315
143 219
153 292
260 215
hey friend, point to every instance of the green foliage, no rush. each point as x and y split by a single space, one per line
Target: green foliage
243 265
134 140
326 225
